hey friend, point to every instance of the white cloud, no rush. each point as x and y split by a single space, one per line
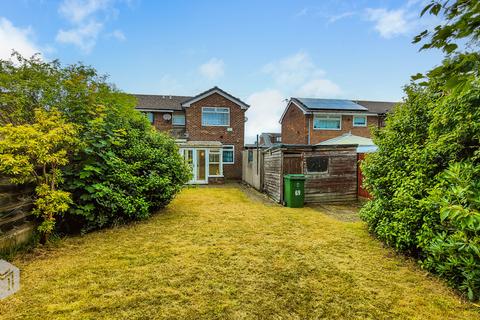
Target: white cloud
291 70
265 111
212 69
87 19
390 23
301 13
77 11
317 88
298 75
84 36
14 38
335 18
118 34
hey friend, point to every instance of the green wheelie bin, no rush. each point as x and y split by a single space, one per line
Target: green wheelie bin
294 193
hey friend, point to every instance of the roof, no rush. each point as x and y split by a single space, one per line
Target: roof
347 138
380 107
208 144
311 105
365 145
221 92
269 138
160 102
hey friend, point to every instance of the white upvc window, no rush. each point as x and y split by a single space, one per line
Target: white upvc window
228 154
359 121
178 119
215 116
215 167
327 122
150 116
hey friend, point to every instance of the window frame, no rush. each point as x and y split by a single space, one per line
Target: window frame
204 124
312 158
176 124
147 113
228 149
327 117
359 125
218 151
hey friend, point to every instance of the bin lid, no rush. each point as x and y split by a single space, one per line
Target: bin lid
295 176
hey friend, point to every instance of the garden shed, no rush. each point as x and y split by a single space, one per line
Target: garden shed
330 171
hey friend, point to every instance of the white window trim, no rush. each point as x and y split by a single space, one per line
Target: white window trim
233 151
359 125
325 116
220 164
176 124
216 125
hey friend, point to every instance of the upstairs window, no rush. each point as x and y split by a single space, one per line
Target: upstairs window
178 119
359 121
215 116
149 116
228 155
327 122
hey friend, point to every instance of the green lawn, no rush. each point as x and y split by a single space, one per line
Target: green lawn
216 253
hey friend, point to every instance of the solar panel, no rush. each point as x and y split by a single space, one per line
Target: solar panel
331 104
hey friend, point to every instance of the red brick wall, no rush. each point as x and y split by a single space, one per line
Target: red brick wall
160 123
317 136
294 126
197 132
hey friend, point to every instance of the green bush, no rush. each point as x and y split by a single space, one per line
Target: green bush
425 180
125 175
121 169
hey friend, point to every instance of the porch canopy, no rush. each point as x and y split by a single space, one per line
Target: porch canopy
200 144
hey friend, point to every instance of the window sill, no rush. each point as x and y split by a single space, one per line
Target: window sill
319 129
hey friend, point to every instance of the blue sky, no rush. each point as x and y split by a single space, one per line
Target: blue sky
260 51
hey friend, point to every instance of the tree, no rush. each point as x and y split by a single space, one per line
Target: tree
458 37
35 153
424 179
122 169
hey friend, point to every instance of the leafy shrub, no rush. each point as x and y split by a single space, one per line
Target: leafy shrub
121 169
34 153
133 172
425 181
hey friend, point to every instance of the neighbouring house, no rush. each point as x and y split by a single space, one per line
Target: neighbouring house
209 129
269 139
311 121
253 159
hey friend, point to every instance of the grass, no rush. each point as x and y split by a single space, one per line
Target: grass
216 253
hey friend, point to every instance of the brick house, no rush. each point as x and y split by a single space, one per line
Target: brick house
209 129
311 121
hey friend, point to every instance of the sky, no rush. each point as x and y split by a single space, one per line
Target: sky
262 52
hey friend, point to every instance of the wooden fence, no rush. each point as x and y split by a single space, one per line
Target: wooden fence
15 208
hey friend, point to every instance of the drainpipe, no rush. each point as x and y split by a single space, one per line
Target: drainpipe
308 138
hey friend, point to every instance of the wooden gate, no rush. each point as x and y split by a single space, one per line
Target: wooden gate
360 190
292 163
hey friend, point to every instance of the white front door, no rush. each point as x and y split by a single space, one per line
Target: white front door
197 158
